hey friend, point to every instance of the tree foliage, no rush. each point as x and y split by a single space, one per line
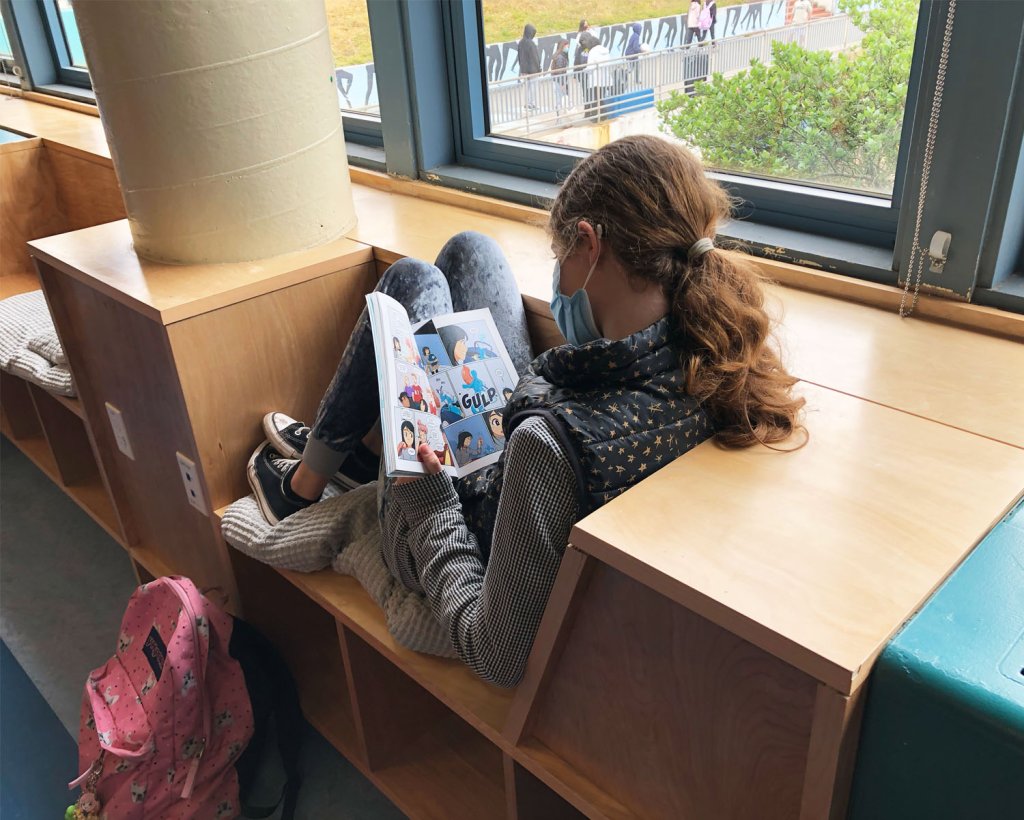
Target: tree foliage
815 116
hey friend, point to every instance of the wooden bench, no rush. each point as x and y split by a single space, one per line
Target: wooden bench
705 649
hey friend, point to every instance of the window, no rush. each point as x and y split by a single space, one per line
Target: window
6 50
353 56
355 77
69 33
800 90
8 58
65 42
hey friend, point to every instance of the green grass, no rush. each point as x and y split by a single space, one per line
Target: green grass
350 32
503 20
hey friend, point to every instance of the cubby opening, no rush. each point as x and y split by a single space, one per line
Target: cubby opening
430 761
51 431
142 573
21 424
75 458
307 638
532 799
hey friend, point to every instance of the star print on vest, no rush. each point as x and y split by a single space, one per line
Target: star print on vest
618 408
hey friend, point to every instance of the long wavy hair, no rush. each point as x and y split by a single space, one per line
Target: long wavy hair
654 201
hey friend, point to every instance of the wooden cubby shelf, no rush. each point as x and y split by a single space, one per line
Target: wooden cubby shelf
51 431
71 403
386 708
483 706
306 635
432 762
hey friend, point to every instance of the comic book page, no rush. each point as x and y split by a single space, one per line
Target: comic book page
410 411
472 378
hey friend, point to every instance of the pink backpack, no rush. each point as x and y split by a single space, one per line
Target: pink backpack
165 719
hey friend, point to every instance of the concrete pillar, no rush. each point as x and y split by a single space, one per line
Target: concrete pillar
223 124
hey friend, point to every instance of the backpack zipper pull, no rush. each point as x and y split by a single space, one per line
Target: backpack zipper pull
193 770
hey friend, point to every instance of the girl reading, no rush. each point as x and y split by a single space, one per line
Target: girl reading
668 345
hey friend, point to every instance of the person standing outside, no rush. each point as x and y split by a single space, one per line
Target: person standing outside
584 42
559 68
693 22
712 8
597 54
801 16
529 64
579 60
632 51
633 45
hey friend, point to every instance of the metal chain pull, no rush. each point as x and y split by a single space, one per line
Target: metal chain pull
918 254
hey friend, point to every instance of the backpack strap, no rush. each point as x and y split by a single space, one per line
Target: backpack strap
272 694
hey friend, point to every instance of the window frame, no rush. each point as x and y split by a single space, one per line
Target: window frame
865 218
811 217
67 72
970 191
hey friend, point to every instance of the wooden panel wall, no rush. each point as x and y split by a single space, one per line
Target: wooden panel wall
47 190
29 209
87 189
275 352
672 715
139 379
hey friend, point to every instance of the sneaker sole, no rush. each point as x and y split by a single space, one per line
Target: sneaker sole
288 451
257 490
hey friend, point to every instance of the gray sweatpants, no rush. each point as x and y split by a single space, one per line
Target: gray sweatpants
470 273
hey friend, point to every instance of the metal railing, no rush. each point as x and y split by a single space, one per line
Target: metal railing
623 85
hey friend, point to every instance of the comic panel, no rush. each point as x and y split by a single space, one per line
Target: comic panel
475 437
447 399
414 391
405 446
428 430
432 352
475 388
468 341
502 379
403 344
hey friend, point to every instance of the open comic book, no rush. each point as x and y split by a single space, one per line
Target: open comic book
443 382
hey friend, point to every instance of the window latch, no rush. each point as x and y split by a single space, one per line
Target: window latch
938 250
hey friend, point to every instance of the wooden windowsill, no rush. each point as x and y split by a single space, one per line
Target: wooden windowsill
75 128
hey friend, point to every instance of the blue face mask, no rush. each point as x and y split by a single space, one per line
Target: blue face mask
573 314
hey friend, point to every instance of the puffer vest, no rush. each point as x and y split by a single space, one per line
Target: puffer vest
617 407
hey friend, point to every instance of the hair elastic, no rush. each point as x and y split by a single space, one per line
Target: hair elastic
699 248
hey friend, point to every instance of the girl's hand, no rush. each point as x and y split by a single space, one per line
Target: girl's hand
431 463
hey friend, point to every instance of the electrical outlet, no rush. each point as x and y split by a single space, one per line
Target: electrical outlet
120 431
190 479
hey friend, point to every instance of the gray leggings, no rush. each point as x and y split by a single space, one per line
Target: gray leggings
471 272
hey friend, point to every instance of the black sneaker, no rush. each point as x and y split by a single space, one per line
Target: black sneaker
289 438
269 474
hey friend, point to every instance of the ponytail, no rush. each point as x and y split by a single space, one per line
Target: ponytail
731 365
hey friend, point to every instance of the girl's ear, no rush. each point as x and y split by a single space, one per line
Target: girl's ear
590 238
